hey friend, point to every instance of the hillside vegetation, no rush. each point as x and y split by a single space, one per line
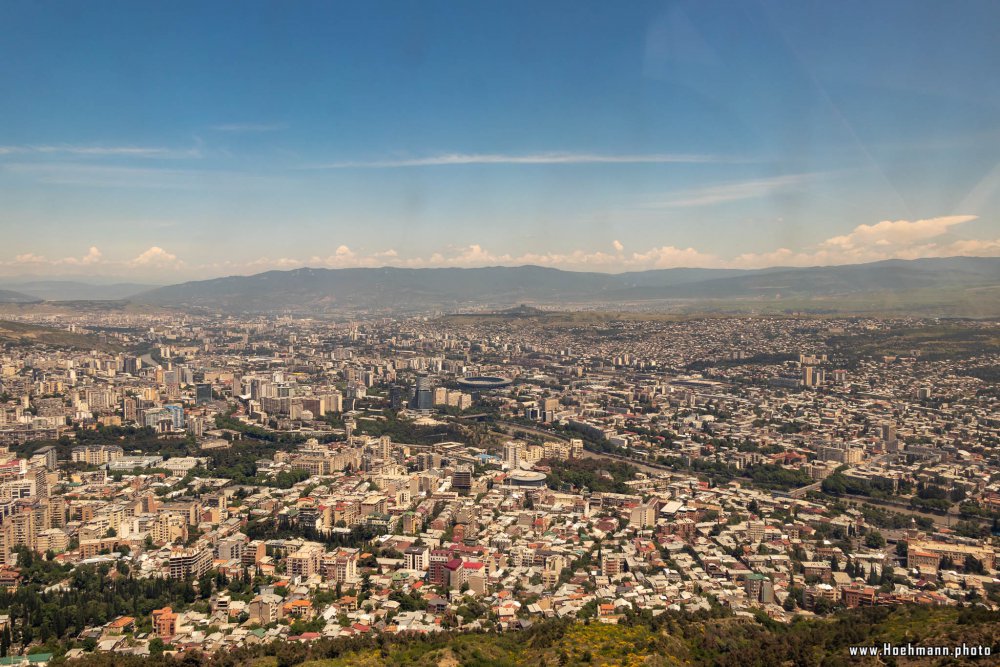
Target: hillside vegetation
19 333
707 638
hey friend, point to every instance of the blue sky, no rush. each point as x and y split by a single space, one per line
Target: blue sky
166 140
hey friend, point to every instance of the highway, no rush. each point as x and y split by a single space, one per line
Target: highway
512 428
800 492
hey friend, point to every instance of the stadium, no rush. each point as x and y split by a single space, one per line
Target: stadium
484 382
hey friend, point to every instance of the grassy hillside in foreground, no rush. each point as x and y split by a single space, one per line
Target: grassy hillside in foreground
669 639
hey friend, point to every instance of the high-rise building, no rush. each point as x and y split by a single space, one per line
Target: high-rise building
813 376
611 564
436 572
190 563
231 548
758 588
423 398
341 566
399 396
417 558
461 480
429 460
203 393
176 415
383 448
440 396
131 365
512 452
547 408
165 622
889 440
130 408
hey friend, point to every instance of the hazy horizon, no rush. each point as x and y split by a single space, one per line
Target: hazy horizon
165 142
109 280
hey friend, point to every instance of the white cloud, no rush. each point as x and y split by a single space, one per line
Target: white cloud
476 255
93 256
30 258
727 192
155 257
532 158
86 174
896 232
667 257
152 261
898 239
972 248
99 151
888 239
777 257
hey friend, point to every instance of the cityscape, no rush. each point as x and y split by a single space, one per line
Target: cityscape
523 335
295 479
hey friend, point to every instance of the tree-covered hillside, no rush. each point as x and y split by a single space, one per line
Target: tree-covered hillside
708 638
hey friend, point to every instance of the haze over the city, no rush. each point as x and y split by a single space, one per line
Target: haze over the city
450 334
170 141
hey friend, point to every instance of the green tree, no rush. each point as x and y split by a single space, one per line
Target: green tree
156 646
973 565
874 540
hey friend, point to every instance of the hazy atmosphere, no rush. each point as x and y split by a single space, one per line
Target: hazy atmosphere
160 142
561 333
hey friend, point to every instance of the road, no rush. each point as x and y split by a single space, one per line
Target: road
803 490
510 427
644 467
939 520
800 492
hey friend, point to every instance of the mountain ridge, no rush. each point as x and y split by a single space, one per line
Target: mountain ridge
11 296
398 288
72 290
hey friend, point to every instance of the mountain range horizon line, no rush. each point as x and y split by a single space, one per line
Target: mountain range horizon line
775 267
956 282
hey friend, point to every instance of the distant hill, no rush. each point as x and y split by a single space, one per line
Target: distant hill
946 286
31 334
388 287
9 296
69 290
891 275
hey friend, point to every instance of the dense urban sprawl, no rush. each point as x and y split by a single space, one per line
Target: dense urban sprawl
211 482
